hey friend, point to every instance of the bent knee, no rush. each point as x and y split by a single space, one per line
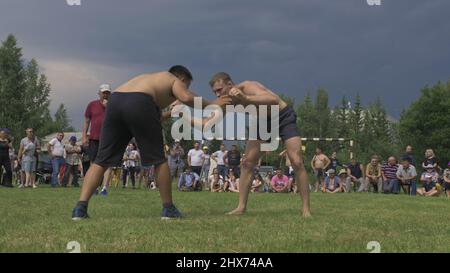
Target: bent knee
248 163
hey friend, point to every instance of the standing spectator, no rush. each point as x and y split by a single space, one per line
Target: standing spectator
356 174
233 160
130 158
332 183
373 175
319 164
189 181
56 151
93 122
280 182
389 173
195 159
231 182
218 156
409 155
205 167
429 179
334 162
430 159
73 158
406 175
446 179
28 149
5 160
175 160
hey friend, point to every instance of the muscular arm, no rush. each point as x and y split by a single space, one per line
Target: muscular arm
20 153
255 94
327 160
312 162
184 95
86 123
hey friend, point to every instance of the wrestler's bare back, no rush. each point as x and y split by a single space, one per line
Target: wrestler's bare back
158 85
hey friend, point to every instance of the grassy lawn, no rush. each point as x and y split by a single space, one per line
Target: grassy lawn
129 221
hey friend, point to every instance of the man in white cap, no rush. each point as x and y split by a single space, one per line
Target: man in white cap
93 120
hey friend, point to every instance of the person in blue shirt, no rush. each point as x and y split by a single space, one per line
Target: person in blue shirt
189 181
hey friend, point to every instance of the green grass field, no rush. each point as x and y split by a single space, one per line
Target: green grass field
129 221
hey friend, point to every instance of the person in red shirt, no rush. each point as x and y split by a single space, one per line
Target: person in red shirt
93 120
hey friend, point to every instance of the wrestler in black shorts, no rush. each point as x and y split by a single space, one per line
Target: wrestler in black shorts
131 115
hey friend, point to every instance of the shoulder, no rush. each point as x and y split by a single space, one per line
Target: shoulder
93 104
163 77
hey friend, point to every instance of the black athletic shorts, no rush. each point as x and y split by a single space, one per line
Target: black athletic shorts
287 124
93 149
131 115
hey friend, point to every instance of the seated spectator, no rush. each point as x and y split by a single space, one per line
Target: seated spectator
257 183
389 173
345 180
446 180
217 184
280 182
355 173
332 184
373 175
212 177
189 181
430 159
429 180
231 182
406 175
267 182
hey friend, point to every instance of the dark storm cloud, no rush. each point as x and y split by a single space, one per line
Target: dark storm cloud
346 47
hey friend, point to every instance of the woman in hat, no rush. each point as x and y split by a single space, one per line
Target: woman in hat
429 179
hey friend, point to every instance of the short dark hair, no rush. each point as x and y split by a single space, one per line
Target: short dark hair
181 71
221 76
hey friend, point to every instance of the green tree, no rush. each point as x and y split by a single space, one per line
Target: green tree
62 121
426 123
12 86
306 117
322 114
24 95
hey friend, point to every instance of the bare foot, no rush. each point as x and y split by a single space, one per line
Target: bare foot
306 214
237 211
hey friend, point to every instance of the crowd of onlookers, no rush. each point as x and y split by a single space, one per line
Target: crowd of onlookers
425 178
194 171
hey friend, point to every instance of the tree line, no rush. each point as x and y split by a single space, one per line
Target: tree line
24 101
24 95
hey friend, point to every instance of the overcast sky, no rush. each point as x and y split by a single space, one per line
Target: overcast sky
291 46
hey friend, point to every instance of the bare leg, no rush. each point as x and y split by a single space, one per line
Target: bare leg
162 175
252 154
295 156
91 181
27 179
33 179
107 178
